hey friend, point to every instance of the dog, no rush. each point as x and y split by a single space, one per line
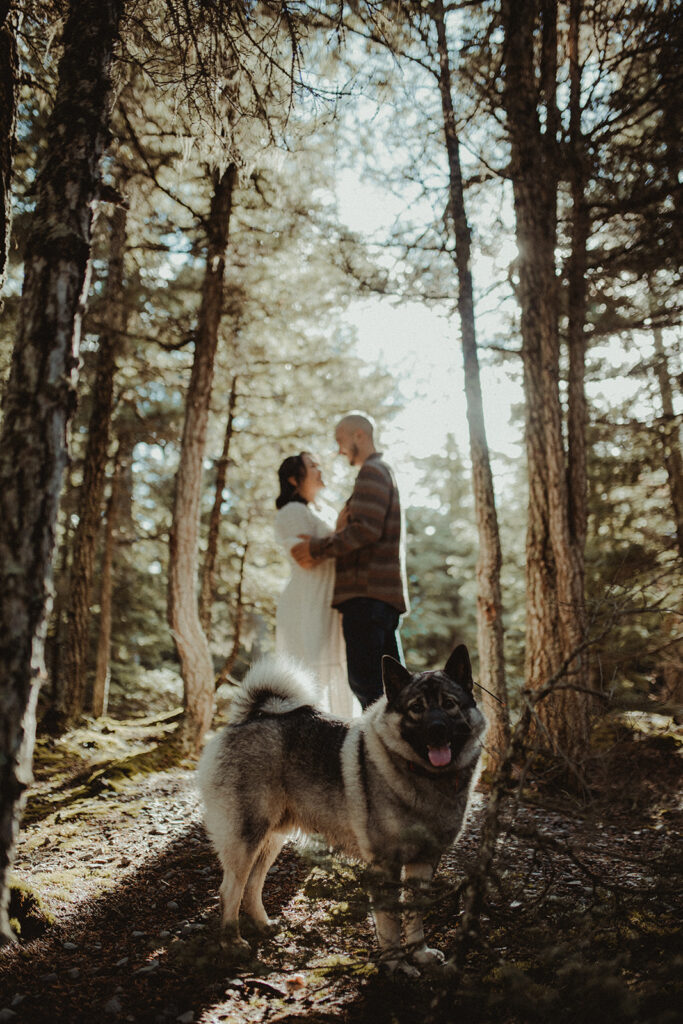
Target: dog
390 788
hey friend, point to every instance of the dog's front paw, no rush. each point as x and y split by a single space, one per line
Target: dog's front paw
236 949
426 957
407 970
395 964
272 926
233 944
262 928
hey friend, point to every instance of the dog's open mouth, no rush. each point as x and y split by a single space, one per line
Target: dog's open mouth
439 757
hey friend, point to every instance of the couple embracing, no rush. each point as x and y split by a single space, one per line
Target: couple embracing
339 612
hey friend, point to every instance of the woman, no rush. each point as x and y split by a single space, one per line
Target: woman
307 627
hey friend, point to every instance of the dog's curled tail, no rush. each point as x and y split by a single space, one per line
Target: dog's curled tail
273 686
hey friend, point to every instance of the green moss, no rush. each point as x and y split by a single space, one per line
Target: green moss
341 965
98 759
28 917
61 885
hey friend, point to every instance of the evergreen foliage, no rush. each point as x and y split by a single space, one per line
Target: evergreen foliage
293 267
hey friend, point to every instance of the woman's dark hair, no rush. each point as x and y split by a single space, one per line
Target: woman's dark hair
293 466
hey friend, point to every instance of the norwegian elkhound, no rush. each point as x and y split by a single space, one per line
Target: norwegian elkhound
390 788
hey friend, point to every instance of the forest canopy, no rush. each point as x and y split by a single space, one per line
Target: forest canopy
220 224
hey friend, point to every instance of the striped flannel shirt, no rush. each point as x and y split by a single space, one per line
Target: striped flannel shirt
368 544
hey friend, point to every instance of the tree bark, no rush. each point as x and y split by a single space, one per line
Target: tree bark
671 427
100 690
118 529
92 488
489 599
554 577
226 671
40 395
577 415
183 611
9 74
670 436
57 621
209 567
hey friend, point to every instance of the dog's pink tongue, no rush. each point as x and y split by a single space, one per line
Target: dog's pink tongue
439 756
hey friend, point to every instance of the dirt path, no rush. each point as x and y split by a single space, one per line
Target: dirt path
580 924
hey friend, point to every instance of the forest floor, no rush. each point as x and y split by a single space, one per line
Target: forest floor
581 922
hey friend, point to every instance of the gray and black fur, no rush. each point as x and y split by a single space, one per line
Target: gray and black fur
390 788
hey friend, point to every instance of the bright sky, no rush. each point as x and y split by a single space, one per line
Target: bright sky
421 349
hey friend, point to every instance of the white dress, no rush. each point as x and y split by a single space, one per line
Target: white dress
307 627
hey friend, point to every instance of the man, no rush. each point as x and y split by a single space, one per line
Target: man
370 587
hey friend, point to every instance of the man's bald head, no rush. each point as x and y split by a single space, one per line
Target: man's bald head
354 435
358 421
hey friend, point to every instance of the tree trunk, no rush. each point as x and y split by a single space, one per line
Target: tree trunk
127 431
57 622
209 568
9 74
183 611
489 599
40 395
92 488
670 436
100 690
576 298
118 528
554 577
226 671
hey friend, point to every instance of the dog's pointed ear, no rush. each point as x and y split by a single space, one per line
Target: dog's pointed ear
459 669
394 676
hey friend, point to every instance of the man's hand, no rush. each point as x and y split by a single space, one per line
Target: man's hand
301 552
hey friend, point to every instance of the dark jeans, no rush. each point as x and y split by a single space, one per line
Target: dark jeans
370 630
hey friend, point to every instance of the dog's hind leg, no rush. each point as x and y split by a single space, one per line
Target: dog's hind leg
252 902
237 861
